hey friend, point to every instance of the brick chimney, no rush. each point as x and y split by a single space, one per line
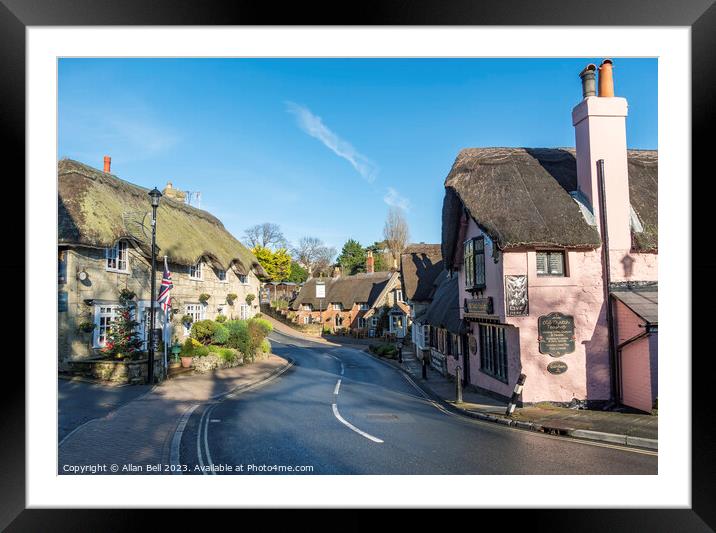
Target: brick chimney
600 131
107 163
369 262
336 272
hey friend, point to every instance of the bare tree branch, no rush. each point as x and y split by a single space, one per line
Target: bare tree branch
266 235
396 234
313 255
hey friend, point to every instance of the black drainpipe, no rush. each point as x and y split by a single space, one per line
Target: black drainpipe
614 373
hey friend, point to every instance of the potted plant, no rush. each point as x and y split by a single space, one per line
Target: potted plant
204 297
250 298
187 320
231 297
187 353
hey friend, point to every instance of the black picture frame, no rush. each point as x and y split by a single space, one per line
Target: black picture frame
699 15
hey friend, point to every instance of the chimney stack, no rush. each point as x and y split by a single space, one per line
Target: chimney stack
107 164
600 133
369 262
336 271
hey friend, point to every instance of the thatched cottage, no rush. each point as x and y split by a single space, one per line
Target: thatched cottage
526 231
104 246
355 303
420 265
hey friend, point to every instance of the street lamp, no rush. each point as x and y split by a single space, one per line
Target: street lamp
154 196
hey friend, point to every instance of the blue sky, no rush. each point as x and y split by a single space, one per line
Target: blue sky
322 147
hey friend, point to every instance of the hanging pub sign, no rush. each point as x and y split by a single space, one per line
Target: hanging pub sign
516 303
556 334
320 289
478 306
557 367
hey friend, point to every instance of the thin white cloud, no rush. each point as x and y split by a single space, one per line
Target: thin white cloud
314 126
394 199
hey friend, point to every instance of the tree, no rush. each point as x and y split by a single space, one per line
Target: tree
352 258
313 255
276 264
123 341
266 235
395 233
298 273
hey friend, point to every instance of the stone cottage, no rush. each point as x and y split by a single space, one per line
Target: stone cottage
104 246
355 304
556 256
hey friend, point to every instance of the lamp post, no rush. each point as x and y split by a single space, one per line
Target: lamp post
154 195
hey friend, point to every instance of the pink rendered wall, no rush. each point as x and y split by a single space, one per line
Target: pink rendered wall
636 375
627 323
580 294
631 266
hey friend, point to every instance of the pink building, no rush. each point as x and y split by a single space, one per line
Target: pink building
526 230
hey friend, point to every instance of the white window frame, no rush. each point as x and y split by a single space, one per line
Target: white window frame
364 306
362 324
306 319
244 310
119 254
196 272
374 321
399 295
197 312
109 313
549 273
306 307
243 279
336 307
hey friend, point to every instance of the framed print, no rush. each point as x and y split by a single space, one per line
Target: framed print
261 222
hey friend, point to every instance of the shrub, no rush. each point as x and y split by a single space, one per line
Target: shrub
250 298
204 297
201 351
265 346
264 324
231 297
227 354
187 349
203 330
187 319
221 334
220 319
238 335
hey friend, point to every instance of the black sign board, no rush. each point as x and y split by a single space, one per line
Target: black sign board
479 306
516 301
557 367
556 334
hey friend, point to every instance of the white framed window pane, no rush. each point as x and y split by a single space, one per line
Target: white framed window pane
556 263
541 262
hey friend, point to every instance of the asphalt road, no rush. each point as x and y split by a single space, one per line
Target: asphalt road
374 422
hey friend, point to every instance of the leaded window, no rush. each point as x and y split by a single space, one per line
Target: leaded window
550 263
474 263
493 351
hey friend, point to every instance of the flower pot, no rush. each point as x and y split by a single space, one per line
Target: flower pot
186 362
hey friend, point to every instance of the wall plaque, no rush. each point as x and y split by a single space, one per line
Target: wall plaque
516 303
556 334
479 306
557 367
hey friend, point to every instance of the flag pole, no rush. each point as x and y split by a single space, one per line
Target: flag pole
166 313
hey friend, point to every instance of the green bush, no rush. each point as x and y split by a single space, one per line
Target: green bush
203 331
221 334
238 335
227 354
221 319
201 351
264 324
265 346
189 346
384 350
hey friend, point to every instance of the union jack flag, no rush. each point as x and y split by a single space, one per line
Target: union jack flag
166 286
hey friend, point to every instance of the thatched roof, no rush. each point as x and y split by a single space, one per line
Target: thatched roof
444 310
520 197
360 288
420 264
91 208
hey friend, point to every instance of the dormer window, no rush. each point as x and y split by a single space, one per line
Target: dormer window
117 257
474 264
243 279
337 306
364 306
398 295
195 271
221 275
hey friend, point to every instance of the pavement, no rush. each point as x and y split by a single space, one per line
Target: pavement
135 426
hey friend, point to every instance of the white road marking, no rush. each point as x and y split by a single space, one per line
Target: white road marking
342 368
338 386
176 439
351 426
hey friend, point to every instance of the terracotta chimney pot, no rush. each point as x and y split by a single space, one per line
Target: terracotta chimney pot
606 79
107 163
